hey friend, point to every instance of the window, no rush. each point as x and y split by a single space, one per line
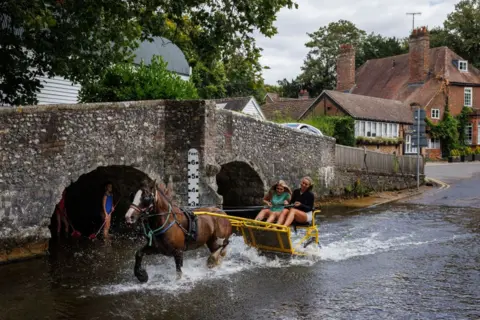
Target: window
374 129
435 114
408 144
463 65
433 143
468 134
467 97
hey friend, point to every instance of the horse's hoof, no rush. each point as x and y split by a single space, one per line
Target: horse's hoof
212 262
142 275
179 275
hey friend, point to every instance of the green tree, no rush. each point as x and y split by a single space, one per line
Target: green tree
460 32
290 89
125 82
80 39
244 74
375 46
318 71
464 30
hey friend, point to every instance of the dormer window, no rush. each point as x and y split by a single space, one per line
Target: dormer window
463 65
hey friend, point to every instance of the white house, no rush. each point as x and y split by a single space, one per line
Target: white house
246 105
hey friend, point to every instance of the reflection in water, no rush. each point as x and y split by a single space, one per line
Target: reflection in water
390 262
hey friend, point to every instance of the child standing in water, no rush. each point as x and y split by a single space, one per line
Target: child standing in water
108 208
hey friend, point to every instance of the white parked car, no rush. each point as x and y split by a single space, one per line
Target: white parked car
303 127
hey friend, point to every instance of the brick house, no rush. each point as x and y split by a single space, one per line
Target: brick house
380 124
426 77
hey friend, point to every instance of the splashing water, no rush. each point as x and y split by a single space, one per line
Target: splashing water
240 257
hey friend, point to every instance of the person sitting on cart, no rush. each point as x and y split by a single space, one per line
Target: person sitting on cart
277 197
303 201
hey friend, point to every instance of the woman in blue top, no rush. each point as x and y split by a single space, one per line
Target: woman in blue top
277 197
108 208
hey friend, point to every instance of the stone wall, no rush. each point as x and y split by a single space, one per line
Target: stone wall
351 182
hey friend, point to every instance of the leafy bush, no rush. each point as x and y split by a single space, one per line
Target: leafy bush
341 128
468 151
126 82
379 140
455 153
477 150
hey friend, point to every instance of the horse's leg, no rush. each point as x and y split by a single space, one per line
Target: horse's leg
223 252
178 256
139 272
215 249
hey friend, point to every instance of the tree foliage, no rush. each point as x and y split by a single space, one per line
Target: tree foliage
125 82
450 130
80 39
462 30
341 128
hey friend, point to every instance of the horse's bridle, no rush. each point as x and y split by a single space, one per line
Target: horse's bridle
150 210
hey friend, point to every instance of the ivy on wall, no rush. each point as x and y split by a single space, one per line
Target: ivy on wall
450 130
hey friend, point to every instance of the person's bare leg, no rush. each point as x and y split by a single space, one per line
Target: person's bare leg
106 228
283 216
261 215
296 215
273 215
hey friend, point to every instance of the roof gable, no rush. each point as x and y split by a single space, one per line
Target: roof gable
367 108
238 104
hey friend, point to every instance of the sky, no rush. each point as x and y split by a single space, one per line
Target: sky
284 53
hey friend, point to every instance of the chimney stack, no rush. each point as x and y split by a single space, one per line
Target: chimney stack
346 67
303 95
419 55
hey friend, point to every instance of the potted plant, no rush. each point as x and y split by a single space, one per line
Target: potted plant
454 156
476 155
468 154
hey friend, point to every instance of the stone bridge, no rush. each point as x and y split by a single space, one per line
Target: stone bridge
45 149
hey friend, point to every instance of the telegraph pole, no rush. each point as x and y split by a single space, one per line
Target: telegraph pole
413 17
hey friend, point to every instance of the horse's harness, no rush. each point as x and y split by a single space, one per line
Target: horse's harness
150 211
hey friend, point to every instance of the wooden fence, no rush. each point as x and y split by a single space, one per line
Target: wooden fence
354 158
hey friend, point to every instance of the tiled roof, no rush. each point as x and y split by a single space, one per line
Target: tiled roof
291 108
370 108
388 77
234 104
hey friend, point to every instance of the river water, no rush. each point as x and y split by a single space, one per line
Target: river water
400 261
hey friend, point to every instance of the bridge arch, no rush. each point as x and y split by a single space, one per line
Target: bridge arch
84 197
240 184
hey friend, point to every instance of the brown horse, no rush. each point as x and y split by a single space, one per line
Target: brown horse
168 228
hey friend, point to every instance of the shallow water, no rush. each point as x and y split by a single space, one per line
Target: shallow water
390 262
